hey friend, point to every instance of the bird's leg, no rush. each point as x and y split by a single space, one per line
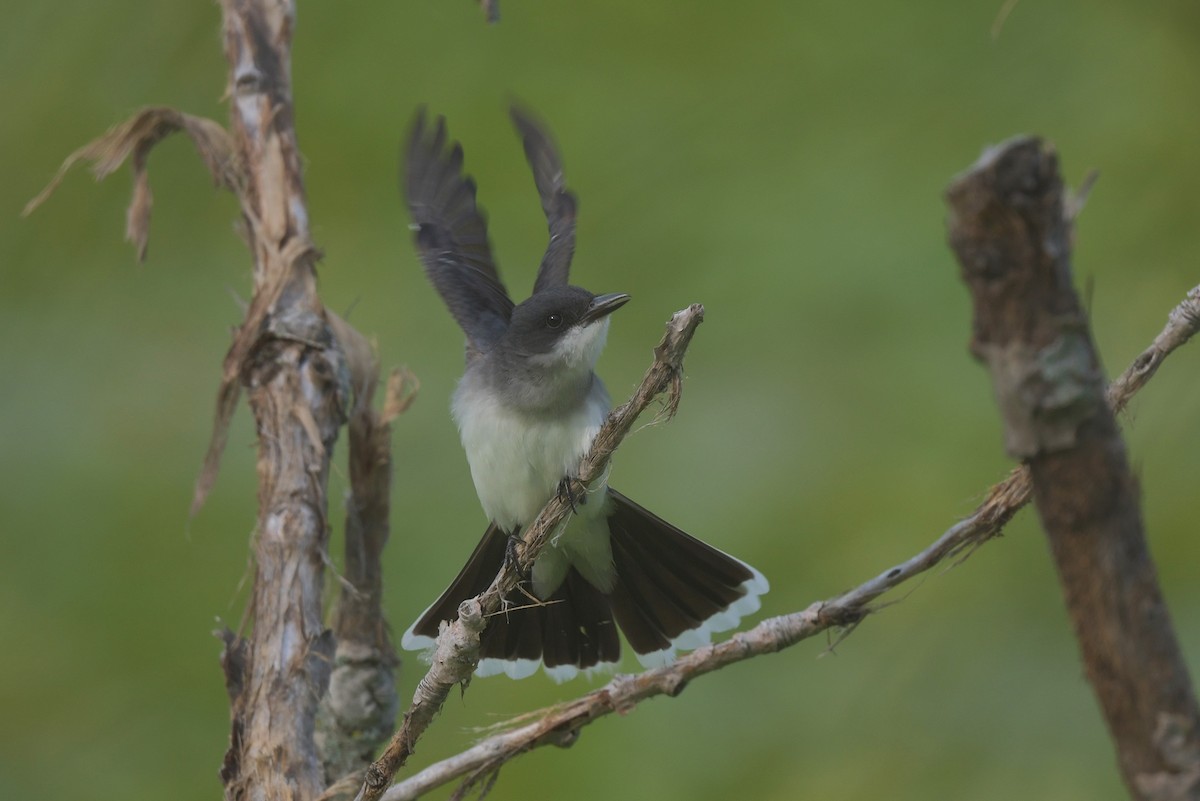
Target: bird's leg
512 559
567 492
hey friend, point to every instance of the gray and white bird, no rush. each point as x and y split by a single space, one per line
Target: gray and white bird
527 409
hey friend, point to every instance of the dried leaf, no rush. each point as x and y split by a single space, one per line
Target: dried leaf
134 139
402 388
360 358
227 398
244 339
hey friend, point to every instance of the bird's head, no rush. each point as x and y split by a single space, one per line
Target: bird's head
562 329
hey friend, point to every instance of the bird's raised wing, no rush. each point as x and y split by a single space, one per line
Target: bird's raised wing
451 234
558 202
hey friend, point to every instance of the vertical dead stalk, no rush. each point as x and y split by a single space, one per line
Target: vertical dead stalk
292 369
301 368
1010 231
359 711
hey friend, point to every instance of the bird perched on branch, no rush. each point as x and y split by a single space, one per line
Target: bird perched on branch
527 408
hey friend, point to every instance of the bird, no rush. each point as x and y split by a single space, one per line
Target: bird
527 408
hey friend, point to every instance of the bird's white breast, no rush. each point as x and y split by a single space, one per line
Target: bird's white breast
517 458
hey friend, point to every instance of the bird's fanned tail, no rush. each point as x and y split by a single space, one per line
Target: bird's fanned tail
672 591
573 629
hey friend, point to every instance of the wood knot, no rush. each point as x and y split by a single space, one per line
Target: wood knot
248 82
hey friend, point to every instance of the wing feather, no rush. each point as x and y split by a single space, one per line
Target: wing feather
451 234
558 203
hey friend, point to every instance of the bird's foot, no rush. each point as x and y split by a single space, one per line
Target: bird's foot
566 491
512 559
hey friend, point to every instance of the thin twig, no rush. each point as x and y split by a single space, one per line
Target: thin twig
1002 17
457 651
561 724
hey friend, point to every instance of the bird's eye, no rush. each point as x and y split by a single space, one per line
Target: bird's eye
553 320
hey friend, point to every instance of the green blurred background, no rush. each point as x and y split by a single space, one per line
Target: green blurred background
783 163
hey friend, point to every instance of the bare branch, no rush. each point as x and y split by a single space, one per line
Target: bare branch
457 650
1011 233
560 725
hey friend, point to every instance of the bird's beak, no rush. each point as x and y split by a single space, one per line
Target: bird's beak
604 305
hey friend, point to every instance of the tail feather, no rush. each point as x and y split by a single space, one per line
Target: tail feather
667 580
475 577
558 645
578 627
713 572
683 588
507 637
636 617
571 630
641 600
671 591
